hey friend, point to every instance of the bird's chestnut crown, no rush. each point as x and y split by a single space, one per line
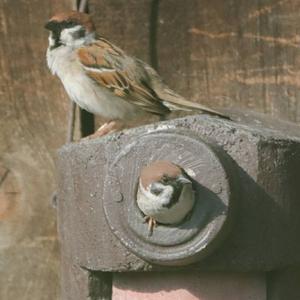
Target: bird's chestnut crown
70 19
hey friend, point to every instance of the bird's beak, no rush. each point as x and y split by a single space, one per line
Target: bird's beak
185 180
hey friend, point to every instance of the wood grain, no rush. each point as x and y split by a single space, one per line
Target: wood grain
126 24
33 117
240 54
221 53
243 54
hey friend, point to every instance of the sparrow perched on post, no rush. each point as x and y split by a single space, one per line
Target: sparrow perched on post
165 193
102 79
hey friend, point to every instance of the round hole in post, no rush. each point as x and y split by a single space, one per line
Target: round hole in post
204 228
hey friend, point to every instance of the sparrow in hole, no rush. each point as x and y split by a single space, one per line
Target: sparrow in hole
165 194
102 79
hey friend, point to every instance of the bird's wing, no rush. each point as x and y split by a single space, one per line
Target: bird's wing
171 99
111 68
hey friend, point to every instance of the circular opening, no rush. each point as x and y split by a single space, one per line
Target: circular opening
177 243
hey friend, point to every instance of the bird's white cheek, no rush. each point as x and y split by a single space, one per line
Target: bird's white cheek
51 40
67 36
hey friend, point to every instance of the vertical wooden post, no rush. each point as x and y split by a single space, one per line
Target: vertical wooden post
33 110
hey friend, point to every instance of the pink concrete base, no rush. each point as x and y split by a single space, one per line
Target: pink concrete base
189 286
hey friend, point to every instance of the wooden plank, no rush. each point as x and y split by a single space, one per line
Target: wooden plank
241 54
33 112
189 286
126 24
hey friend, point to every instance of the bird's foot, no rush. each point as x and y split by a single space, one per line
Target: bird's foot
107 128
110 127
151 224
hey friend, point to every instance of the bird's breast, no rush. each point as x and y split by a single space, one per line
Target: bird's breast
167 215
87 93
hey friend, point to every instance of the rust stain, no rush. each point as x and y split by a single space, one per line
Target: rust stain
7 206
293 41
265 10
267 80
212 35
38 240
9 194
287 68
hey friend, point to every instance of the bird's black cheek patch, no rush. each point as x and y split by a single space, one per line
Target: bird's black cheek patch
56 35
156 191
177 189
56 39
78 34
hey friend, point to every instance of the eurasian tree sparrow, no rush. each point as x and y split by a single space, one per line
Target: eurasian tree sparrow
165 193
102 79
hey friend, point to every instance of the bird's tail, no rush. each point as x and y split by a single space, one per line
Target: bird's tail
176 102
172 100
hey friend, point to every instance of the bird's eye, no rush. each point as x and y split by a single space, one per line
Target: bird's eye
156 191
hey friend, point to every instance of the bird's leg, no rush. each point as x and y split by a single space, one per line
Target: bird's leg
151 223
107 128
